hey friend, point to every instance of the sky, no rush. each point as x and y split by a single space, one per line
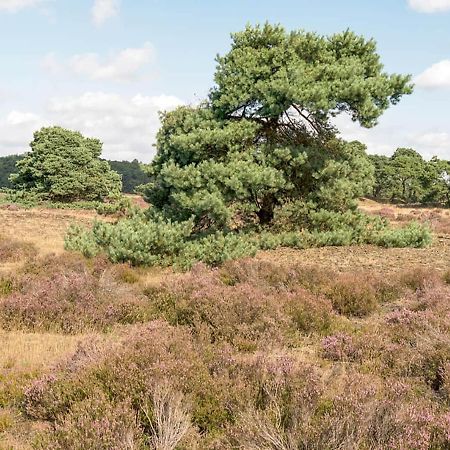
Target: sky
107 67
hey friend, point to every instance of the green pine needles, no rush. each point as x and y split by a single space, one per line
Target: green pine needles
64 166
259 164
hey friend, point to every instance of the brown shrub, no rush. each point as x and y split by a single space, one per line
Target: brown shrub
147 356
418 278
340 347
361 412
70 300
12 250
352 297
310 313
262 274
96 423
243 314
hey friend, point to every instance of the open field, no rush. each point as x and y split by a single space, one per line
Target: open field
341 346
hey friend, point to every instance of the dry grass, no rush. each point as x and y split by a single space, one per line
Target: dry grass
24 356
45 228
33 351
437 218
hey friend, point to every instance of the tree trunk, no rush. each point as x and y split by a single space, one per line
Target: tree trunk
265 216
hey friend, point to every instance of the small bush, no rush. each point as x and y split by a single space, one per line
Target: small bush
216 249
96 423
418 278
352 298
81 240
413 235
340 347
71 301
11 250
6 420
117 207
241 315
309 313
141 242
6 286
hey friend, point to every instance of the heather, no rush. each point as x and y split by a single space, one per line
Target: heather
253 353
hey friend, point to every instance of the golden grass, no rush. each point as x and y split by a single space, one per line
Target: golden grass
34 351
24 356
45 228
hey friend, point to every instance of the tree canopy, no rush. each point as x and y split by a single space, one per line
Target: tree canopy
7 167
407 177
64 165
259 165
132 174
263 145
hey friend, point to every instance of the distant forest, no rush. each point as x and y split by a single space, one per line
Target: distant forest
404 177
132 173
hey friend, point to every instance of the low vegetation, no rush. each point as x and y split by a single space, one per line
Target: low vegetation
251 353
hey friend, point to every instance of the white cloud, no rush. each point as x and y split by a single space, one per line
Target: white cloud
103 10
436 76
125 65
16 131
436 140
386 137
127 126
51 64
21 118
430 6
16 5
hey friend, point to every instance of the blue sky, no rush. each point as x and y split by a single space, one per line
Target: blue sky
105 67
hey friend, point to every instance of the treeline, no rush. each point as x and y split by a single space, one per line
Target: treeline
404 177
132 173
408 178
7 167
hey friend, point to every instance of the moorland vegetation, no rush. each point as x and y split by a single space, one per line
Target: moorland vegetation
319 349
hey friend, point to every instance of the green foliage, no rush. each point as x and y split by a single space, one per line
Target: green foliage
132 174
7 167
407 177
81 240
259 165
136 240
115 206
413 235
24 198
65 166
216 249
269 70
264 138
144 240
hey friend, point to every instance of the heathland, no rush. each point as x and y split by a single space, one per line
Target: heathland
337 347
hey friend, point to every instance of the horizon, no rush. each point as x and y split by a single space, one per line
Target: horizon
106 67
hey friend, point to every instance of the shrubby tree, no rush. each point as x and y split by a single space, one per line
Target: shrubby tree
436 181
407 177
408 168
259 164
64 165
263 141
